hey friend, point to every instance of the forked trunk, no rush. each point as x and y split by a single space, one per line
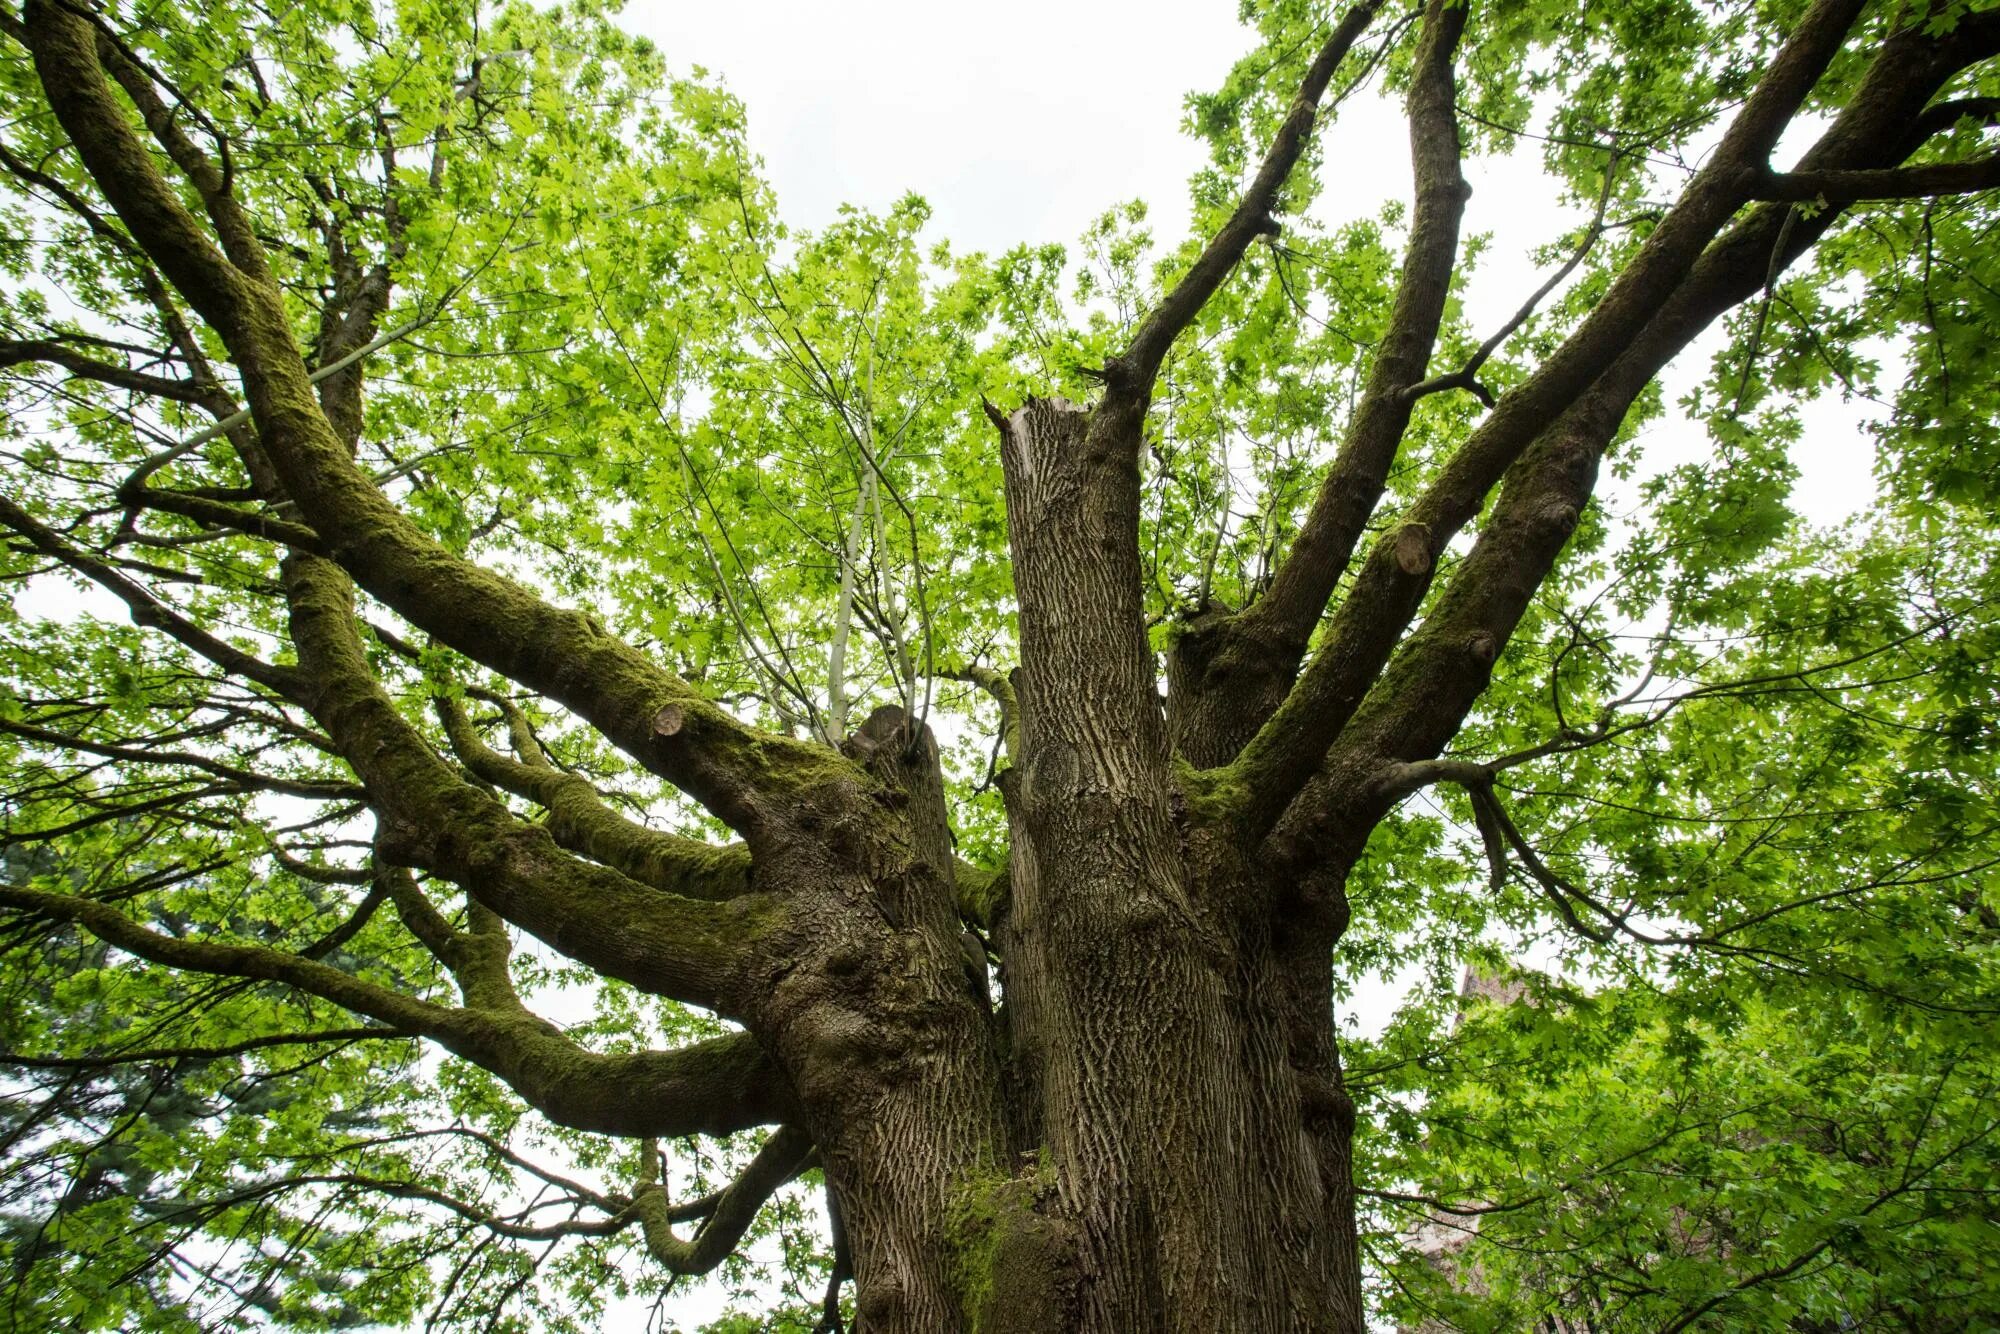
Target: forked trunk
1175 1151
1190 1165
1148 1133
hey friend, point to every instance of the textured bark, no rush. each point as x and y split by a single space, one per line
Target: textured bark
1230 671
1173 1053
864 1001
1148 1131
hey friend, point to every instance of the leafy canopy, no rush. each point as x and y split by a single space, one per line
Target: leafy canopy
1748 788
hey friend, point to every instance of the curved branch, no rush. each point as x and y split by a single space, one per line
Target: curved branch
149 611
17 352
1133 370
665 943
651 714
157 1055
580 821
715 1087
1466 376
244 778
726 1214
784 1155
1000 686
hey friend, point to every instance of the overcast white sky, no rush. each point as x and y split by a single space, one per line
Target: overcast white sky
1018 122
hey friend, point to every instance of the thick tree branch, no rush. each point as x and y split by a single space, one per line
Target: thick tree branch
1289 747
211 181
1233 672
694 951
714 1087
565 655
1924 181
1419 702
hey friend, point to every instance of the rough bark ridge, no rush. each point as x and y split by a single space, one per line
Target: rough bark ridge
1123 971
1147 1129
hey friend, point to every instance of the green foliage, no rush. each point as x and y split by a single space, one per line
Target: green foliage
1759 1084
1630 1159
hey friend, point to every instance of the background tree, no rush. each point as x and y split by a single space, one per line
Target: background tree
950 730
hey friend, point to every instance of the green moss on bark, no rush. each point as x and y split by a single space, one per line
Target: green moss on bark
1013 1258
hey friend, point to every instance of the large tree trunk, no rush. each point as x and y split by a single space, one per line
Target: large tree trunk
1193 1173
1177 1157
1149 1133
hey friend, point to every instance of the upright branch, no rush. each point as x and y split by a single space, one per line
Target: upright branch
1397 573
1416 706
1231 673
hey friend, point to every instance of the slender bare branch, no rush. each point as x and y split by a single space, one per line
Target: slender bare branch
1133 370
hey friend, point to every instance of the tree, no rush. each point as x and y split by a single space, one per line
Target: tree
952 741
